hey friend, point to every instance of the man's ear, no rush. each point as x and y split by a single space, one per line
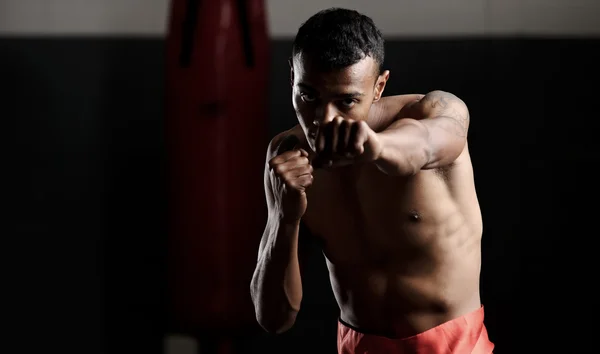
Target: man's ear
291 64
380 85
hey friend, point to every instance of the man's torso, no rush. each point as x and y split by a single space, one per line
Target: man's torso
403 252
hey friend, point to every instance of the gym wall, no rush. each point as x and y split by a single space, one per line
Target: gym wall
82 98
397 19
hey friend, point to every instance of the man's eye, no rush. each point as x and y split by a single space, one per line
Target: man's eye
306 97
348 102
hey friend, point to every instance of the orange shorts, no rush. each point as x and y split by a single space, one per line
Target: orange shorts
463 335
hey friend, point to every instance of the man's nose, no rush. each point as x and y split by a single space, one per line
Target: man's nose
326 113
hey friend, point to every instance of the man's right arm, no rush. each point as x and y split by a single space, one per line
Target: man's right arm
276 286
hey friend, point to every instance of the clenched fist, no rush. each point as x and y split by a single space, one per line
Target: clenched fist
343 141
291 175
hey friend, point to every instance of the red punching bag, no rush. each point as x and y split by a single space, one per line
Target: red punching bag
217 56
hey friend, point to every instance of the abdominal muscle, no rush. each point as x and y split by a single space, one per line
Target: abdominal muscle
392 303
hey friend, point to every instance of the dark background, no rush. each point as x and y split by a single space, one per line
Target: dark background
85 200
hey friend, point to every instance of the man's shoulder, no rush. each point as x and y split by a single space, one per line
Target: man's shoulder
292 137
389 108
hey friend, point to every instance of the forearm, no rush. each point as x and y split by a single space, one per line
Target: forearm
276 285
405 148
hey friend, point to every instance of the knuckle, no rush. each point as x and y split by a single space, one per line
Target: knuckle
279 169
288 181
297 161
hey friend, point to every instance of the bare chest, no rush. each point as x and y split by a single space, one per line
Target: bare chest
363 215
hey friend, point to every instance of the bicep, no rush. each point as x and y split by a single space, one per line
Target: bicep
446 140
272 151
447 120
269 199
439 121
269 194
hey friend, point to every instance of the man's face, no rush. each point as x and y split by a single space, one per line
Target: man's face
319 96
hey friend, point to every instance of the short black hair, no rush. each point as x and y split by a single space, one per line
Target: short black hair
339 38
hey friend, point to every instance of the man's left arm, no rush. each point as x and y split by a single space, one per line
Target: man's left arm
429 133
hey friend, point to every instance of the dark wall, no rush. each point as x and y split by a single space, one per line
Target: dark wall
84 158
85 229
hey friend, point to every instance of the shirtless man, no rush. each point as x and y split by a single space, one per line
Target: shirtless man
386 184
